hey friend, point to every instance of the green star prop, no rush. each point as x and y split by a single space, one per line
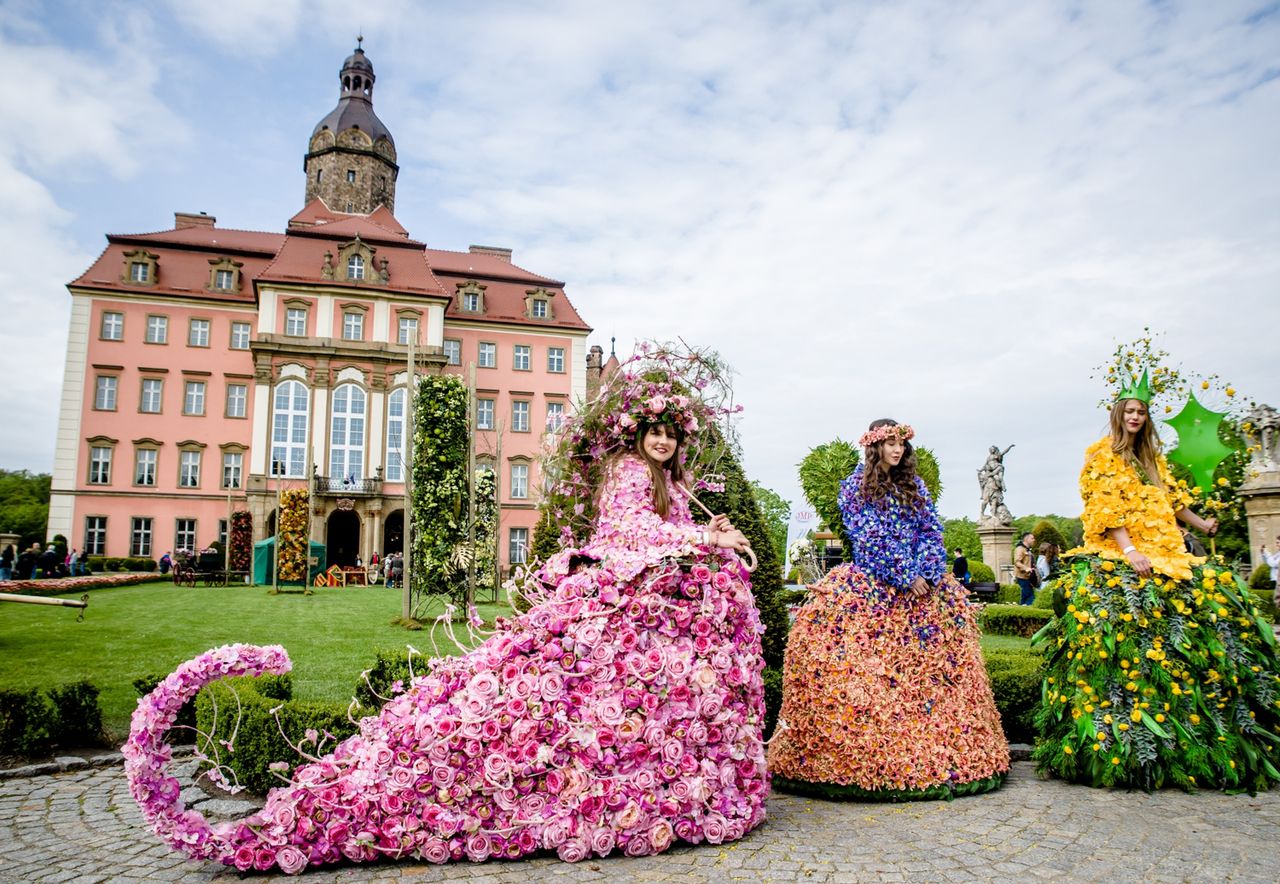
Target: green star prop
1199 448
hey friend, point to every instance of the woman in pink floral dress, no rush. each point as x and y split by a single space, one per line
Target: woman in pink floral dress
622 712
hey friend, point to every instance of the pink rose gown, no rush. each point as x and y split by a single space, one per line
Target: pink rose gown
622 713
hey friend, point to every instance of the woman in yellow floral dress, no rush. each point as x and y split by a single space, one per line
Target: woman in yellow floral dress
1162 672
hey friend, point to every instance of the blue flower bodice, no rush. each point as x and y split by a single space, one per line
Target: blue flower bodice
892 541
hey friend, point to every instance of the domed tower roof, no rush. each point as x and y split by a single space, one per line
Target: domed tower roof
351 157
355 100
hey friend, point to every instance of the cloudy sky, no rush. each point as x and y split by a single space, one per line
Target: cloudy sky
943 212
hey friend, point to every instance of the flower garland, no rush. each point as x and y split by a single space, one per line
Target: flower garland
294 535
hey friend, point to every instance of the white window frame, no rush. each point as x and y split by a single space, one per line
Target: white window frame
185 532
295 322
232 470
407 330
522 357
198 333
139 271
355 267
352 326
520 415
471 302
224 280
189 468
237 400
289 430
453 351
519 481
555 360
95 535
517 545
140 535
346 432
241 332
146 467
486 410
487 356
193 398
395 435
555 416
157 329
152 384
112 326
100 464
106 389
539 308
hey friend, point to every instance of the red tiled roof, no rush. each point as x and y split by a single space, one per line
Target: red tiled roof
297 256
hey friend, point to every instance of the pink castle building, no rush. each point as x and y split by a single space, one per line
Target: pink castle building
208 367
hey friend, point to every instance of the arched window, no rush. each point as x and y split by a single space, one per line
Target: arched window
395 436
355 267
346 434
289 431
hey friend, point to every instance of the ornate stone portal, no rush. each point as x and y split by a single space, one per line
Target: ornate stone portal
995 522
1261 487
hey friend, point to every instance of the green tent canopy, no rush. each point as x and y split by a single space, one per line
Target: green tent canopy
264 560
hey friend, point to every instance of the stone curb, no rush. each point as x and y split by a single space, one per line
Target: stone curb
65 763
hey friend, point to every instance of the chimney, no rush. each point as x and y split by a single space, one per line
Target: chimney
500 253
183 220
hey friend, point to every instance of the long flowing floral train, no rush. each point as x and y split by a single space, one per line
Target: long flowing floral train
615 715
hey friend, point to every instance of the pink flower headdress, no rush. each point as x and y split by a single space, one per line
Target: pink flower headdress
879 434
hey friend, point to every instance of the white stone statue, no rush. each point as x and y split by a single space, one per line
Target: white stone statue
1264 434
991 481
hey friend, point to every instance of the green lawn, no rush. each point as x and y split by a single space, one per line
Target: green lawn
1004 643
134 631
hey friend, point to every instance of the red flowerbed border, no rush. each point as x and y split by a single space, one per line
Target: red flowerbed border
59 585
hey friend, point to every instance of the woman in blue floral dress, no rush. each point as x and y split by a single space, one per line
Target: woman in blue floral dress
885 694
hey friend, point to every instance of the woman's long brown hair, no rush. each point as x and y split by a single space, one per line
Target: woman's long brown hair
1144 451
659 472
879 480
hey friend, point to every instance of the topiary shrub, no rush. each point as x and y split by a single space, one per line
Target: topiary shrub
389 675
1009 594
980 572
77 714
259 737
25 719
1013 620
1262 592
1016 678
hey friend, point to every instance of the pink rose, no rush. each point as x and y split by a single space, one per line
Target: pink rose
574 850
435 851
700 573
655 405
721 580
660 836
478 848
244 857
603 840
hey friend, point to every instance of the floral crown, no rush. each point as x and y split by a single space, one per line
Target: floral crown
879 434
661 384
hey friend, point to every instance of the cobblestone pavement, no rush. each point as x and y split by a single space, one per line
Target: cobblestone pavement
82 826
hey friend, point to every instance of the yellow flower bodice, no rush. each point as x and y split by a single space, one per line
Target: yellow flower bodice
1116 497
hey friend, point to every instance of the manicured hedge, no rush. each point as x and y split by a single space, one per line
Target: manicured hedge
980 572
1013 619
33 721
259 740
99 564
1011 594
1015 680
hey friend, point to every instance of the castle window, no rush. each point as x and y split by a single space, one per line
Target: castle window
519 481
239 336
539 308
453 351
193 401
104 394
157 329
232 469
519 416
295 322
145 462
353 326
522 357
184 534
140 536
112 326
189 470
198 333
471 302
224 275
351 176
355 267
555 416
140 267
488 355
139 272
319 173
408 330
100 465
351 207
484 414
555 359
152 395
95 535
224 280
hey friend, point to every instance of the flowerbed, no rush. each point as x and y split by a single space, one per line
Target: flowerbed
60 585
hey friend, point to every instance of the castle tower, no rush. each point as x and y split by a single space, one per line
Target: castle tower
351 159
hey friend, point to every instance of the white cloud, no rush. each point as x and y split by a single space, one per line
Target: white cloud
942 212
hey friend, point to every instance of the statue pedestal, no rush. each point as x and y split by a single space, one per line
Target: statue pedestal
997 550
1261 493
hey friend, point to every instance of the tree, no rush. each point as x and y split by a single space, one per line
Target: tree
1069 528
738 502
24 505
821 472
776 513
1047 532
962 533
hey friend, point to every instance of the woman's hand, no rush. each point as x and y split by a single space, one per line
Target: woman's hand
732 539
720 523
1209 526
920 587
1140 563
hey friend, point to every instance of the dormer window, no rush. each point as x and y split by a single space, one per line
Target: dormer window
224 275
357 262
538 304
539 308
140 267
223 279
355 267
471 297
